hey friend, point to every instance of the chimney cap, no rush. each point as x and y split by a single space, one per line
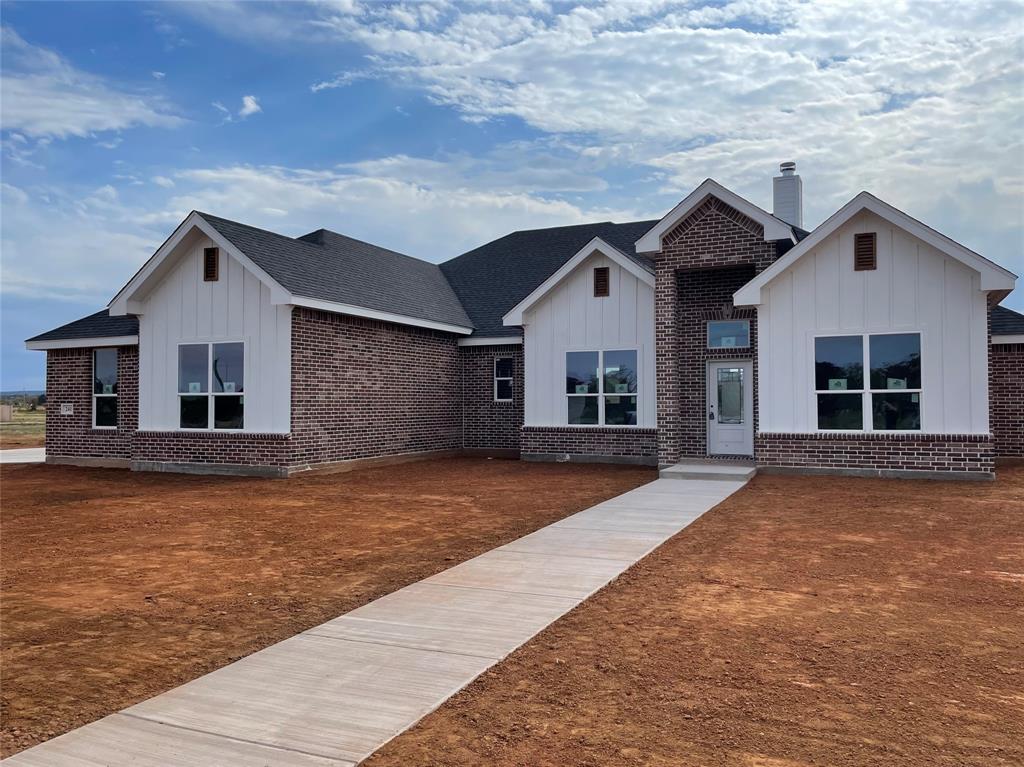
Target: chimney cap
787 168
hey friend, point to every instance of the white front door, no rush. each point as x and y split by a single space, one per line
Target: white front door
730 416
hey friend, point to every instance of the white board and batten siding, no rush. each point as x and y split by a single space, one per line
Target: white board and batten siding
570 318
183 308
915 288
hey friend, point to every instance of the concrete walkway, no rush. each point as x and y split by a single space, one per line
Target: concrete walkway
336 693
23 455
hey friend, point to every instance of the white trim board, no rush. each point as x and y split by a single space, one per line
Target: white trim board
491 341
596 245
82 343
993 276
1008 339
374 314
774 228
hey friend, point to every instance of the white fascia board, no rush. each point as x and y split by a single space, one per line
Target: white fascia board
491 341
993 276
125 302
1008 339
596 245
374 314
774 228
82 343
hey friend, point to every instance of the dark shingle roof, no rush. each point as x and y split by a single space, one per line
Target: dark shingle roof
495 277
98 325
1006 322
332 267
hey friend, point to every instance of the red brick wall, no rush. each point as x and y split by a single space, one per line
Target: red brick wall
212 447
704 259
69 381
486 424
640 445
363 388
967 453
1006 398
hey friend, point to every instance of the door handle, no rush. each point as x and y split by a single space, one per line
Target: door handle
711 415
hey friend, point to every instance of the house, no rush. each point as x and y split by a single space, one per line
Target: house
870 345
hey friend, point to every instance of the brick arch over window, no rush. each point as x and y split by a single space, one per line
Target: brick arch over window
705 258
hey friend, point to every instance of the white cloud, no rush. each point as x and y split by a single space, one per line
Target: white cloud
99 237
918 102
250 106
158 75
44 96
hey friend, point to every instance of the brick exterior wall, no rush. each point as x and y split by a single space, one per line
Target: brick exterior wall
486 424
212 447
69 381
628 445
363 388
1006 398
968 454
704 259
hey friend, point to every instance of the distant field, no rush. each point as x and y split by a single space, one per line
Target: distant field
28 429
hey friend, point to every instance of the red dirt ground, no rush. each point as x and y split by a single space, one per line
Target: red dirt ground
119 585
804 621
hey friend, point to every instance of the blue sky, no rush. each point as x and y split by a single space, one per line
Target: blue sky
432 127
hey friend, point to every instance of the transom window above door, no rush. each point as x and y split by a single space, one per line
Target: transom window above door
888 398
728 334
211 382
601 388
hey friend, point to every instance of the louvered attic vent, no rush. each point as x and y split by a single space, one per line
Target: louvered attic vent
602 285
211 264
865 252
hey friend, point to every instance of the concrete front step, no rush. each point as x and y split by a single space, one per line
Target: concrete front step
736 471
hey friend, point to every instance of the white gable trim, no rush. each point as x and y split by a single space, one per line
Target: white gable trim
82 343
774 228
596 245
993 276
124 302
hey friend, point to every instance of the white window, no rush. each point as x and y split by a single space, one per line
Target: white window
504 368
888 398
601 387
104 388
728 334
211 382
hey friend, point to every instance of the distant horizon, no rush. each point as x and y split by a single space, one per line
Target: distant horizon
433 128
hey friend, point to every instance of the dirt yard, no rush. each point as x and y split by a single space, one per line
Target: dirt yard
803 622
118 585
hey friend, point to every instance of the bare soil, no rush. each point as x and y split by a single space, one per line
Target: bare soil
804 621
119 585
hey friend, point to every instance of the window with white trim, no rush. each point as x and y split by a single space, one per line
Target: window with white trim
888 398
601 387
104 388
211 382
504 368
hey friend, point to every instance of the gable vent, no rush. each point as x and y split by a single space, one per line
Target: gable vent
602 283
211 264
865 252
